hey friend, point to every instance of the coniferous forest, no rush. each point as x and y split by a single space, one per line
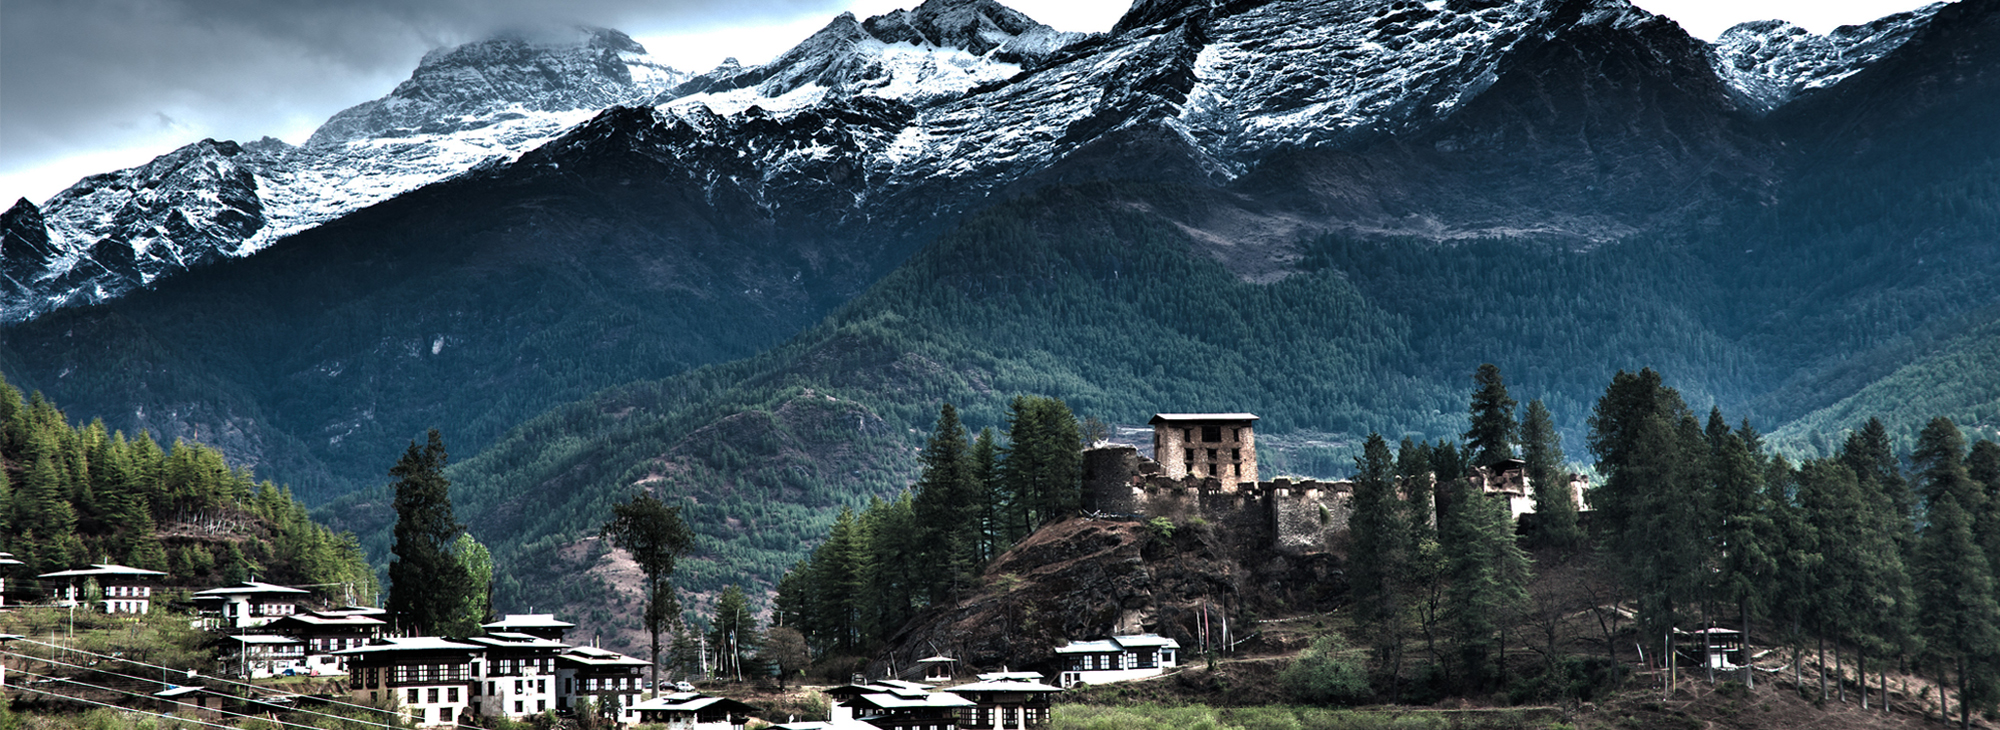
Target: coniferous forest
74 495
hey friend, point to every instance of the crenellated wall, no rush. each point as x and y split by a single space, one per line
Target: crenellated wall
1294 517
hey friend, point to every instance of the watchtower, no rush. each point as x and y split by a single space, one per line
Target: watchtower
1218 445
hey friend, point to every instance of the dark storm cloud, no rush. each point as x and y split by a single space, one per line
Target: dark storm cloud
81 75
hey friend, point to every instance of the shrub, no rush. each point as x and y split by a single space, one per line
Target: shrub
1325 673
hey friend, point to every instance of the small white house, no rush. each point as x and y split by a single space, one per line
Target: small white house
256 656
428 679
126 589
250 603
1117 659
695 711
7 563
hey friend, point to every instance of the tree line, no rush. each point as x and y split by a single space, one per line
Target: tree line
73 495
1886 563
974 498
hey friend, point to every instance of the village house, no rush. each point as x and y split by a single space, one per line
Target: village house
7 563
515 675
1005 701
695 711
429 678
1508 479
326 632
908 709
257 656
587 674
249 604
936 669
1116 659
842 714
542 625
126 589
1218 445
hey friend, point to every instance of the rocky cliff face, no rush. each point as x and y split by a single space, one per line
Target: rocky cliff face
993 101
481 103
1082 579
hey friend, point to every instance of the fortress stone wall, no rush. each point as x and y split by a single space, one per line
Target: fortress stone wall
1294 517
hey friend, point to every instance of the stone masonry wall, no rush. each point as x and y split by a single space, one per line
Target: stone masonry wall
1294 517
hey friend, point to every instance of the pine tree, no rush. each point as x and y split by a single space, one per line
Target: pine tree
1491 437
1955 587
1650 449
1555 506
656 537
991 499
1043 463
1379 557
733 631
1743 540
426 584
1940 461
1488 576
947 493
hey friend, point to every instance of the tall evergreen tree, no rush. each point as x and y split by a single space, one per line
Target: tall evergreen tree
1488 574
1555 506
1742 540
733 632
991 499
1955 587
1651 450
426 584
1043 464
1940 461
1491 437
947 495
1378 558
656 537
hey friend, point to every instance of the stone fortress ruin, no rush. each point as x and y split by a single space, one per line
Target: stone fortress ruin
1204 465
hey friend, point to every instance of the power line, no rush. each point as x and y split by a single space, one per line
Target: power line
218 711
116 707
170 685
189 673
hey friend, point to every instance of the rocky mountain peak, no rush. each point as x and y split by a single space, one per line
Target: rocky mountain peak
1771 62
464 86
973 25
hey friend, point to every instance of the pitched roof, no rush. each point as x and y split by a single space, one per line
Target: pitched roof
248 587
412 643
1119 643
103 569
324 621
529 621
1006 685
264 639
695 701
887 701
508 640
593 656
1178 417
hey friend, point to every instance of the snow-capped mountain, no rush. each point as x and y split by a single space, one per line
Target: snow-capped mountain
913 117
935 52
480 103
1772 61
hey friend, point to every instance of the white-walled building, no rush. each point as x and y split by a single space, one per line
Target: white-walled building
250 603
590 674
327 632
7 563
126 589
429 679
256 656
515 675
1117 659
695 711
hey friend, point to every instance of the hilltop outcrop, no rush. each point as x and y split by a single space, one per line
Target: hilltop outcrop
1082 578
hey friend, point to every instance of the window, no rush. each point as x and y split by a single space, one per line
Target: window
1187 434
451 694
517 707
413 696
1236 454
1211 433
517 687
491 689
1190 457
444 714
542 685
1239 470
1211 454
433 695
373 698
541 705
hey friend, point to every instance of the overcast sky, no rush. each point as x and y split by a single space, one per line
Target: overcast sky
90 86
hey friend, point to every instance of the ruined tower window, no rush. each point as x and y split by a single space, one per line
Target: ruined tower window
1236 454
1189 458
1211 433
1187 434
1211 454
1239 470
1236 434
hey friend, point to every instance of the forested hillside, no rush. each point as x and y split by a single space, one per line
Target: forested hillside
71 496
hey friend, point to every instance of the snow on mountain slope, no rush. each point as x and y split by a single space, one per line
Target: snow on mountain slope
936 51
1771 61
479 103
